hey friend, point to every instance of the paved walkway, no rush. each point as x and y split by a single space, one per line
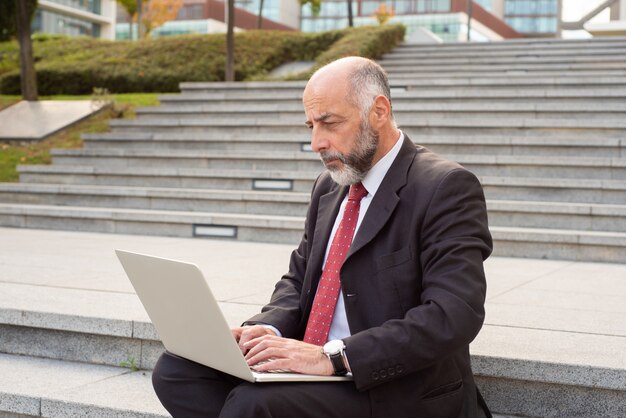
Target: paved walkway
563 315
29 121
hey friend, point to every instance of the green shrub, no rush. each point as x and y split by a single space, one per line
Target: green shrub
76 65
364 41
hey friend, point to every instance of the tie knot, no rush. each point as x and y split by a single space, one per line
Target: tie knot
357 192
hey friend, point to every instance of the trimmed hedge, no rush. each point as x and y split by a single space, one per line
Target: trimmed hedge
77 65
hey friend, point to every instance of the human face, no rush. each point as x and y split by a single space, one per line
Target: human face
345 142
357 162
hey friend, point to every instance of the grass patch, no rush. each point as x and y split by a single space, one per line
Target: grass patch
12 154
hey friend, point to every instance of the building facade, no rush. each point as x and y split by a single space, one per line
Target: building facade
94 18
532 18
448 19
208 16
616 26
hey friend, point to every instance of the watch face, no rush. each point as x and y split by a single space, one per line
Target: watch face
333 347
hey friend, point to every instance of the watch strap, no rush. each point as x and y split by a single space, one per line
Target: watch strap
339 365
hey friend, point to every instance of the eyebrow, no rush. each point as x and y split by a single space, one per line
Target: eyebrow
321 118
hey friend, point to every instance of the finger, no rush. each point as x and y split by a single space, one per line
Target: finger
268 353
274 365
260 344
236 332
247 334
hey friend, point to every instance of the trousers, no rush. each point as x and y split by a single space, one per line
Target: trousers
188 389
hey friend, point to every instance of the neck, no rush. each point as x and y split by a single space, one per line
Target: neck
386 140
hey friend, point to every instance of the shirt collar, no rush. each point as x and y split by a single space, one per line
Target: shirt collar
376 174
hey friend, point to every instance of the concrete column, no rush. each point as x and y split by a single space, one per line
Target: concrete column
109 11
498 8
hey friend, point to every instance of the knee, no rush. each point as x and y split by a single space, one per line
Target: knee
163 369
251 401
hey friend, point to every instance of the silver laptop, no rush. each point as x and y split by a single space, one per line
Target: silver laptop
188 319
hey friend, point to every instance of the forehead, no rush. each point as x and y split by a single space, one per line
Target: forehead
326 95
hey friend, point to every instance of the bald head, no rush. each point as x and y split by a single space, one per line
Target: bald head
348 110
360 80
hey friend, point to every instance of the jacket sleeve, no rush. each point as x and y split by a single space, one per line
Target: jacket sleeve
453 241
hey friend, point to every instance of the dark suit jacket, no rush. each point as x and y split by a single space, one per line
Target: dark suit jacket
413 284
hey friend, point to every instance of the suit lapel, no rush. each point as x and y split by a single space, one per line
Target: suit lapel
386 198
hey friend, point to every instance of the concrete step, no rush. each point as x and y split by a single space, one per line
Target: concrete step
596 128
33 387
559 244
554 190
509 241
548 81
523 44
484 165
239 160
499 188
275 180
403 111
426 94
557 215
426 80
176 199
537 340
494 145
412 106
442 53
391 61
243 227
201 142
477 68
29 387
591 217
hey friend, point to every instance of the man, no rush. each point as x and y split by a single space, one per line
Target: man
397 305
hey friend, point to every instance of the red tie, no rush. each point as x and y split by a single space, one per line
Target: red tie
328 289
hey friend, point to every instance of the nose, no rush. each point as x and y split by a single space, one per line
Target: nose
319 142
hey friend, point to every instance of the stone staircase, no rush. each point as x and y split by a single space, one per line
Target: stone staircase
542 123
547 139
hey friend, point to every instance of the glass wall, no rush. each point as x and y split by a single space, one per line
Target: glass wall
48 22
271 8
445 25
93 6
339 8
532 16
334 13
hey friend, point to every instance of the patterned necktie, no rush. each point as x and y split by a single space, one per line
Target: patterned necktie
328 289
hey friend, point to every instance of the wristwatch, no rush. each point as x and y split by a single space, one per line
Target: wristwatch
334 350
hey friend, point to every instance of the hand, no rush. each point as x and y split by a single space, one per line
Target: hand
287 355
244 334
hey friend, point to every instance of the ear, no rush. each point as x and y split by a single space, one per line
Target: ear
381 112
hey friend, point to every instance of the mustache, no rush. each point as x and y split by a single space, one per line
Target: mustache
328 156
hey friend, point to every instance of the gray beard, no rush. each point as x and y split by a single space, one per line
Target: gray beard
358 163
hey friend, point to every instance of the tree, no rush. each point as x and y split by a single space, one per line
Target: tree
259 17
8 20
230 41
157 12
316 5
350 18
8 28
24 11
131 8
384 13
